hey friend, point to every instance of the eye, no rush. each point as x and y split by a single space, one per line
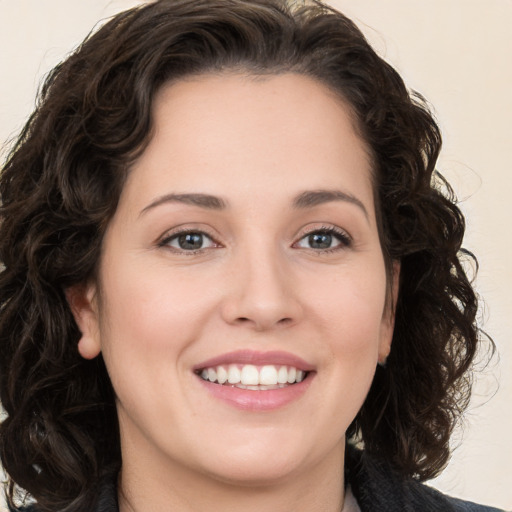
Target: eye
324 239
189 241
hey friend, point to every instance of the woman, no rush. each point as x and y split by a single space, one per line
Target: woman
228 259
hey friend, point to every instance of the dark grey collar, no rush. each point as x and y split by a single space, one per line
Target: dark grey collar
377 487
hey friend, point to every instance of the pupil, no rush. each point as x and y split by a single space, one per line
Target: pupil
320 241
190 241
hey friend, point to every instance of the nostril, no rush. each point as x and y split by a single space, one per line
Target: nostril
246 320
282 321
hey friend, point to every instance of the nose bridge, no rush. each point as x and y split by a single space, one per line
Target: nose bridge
261 293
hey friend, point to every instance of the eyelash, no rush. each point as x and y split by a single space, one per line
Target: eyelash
165 242
341 235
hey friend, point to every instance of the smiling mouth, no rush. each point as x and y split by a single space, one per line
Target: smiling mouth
252 377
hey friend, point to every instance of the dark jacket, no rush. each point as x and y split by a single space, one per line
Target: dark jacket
376 487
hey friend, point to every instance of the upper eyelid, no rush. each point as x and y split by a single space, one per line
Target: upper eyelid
344 238
165 242
180 230
331 229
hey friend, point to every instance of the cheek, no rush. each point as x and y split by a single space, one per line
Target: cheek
349 316
147 323
351 304
152 306
152 321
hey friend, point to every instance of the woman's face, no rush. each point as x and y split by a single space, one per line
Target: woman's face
240 305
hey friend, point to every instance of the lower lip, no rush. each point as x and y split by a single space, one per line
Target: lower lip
260 400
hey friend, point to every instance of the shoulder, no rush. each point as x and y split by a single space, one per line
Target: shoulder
455 504
26 508
427 494
468 506
377 487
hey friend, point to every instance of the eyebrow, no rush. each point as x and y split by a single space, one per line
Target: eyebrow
312 198
202 200
307 199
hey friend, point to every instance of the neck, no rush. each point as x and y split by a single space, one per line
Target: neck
158 486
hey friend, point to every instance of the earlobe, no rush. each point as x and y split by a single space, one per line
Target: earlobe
82 302
388 320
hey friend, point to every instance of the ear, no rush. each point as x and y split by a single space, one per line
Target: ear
82 301
388 318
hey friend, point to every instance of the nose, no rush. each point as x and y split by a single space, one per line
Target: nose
261 292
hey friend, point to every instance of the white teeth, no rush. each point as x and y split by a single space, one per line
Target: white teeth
249 376
222 374
233 374
268 375
282 375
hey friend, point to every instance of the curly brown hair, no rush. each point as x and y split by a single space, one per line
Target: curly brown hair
61 183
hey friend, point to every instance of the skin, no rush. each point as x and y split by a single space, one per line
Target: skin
158 310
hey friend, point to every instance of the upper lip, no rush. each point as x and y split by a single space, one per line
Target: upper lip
258 359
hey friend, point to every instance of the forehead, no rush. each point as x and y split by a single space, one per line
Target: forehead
215 132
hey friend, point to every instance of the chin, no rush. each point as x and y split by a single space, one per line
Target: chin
272 461
256 472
